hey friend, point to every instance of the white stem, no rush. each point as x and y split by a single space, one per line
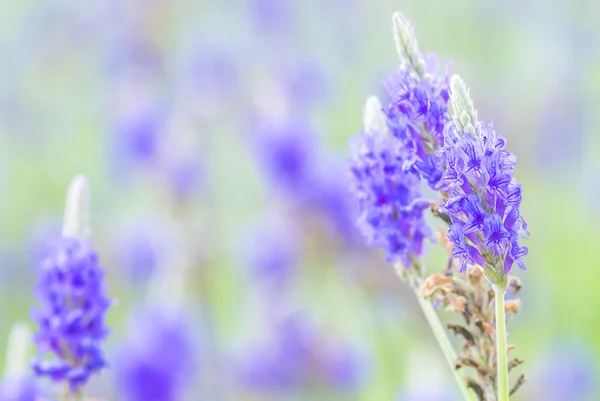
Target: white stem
501 348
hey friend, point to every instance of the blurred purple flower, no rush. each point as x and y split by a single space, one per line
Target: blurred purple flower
389 199
288 155
270 250
71 319
273 16
139 251
211 72
305 83
293 163
568 372
18 389
138 137
158 360
298 358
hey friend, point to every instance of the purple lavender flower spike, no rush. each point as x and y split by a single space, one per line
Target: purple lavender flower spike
389 198
158 360
72 291
418 108
484 199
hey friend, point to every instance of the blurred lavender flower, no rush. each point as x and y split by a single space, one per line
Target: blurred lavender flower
71 320
288 155
158 360
305 84
272 16
484 198
294 164
389 198
18 389
17 383
418 107
137 137
71 289
568 372
270 249
139 250
297 358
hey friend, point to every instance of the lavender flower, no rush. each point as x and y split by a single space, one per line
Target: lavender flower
568 372
271 251
288 152
157 362
17 383
72 292
418 107
296 358
18 389
293 162
484 198
389 198
71 320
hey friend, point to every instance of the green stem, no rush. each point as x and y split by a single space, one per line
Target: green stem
445 345
501 351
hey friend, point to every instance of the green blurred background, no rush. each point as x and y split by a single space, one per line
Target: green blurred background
71 72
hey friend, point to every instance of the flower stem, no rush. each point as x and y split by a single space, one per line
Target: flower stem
501 351
445 345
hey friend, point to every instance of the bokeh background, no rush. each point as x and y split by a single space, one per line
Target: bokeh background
215 136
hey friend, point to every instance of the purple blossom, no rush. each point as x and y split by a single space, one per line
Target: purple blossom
140 249
484 199
568 372
389 198
296 358
20 388
138 137
273 16
288 154
271 251
71 319
158 360
295 166
416 116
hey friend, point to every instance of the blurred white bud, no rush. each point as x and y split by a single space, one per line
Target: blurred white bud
406 45
465 115
17 350
373 117
76 221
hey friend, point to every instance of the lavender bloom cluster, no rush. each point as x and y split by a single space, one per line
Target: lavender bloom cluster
389 198
418 108
484 198
71 319
397 150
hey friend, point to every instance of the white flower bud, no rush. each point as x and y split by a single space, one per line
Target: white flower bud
464 114
406 45
76 222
